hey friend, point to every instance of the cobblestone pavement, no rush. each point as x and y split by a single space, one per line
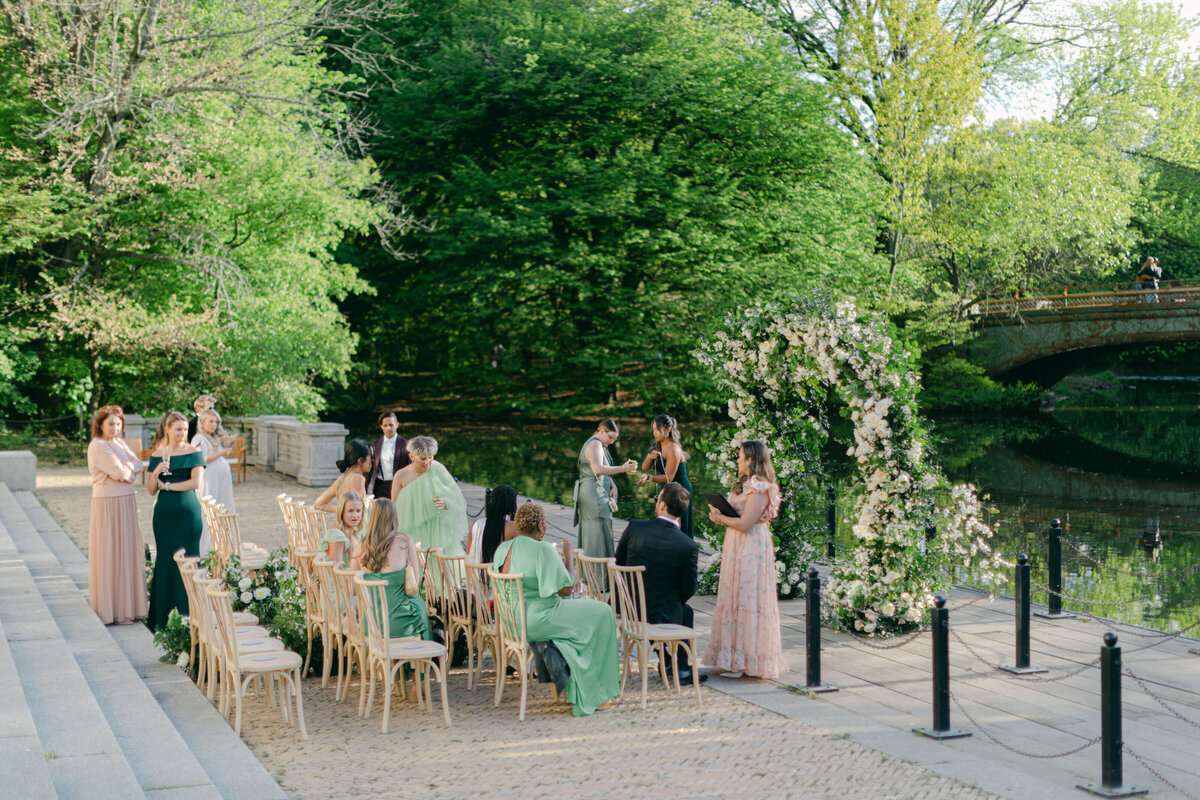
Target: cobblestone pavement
726 747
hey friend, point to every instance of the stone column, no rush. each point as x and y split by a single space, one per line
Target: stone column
325 444
136 428
262 443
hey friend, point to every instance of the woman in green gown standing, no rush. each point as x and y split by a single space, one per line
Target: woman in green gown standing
595 495
584 630
669 461
175 471
388 555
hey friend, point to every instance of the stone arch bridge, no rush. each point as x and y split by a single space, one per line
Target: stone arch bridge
1042 337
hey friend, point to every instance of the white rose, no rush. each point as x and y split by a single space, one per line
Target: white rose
785 589
888 610
247 597
245 583
262 593
182 661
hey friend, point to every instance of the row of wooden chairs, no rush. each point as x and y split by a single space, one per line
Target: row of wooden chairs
227 538
230 650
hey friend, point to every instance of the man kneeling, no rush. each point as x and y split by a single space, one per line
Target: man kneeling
670 557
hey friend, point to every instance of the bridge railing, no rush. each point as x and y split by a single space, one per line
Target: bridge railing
1084 296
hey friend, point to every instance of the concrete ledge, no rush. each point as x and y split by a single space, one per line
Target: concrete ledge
18 469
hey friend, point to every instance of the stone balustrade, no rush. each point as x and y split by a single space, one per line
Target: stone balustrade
308 451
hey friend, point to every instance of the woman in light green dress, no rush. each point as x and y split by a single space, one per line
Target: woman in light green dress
594 490
583 630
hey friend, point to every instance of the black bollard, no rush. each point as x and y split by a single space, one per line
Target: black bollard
812 640
941 677
830 522
1022 666
1110 725
1054 602
487 500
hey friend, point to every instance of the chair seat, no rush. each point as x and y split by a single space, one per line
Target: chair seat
406 649
256 631
268 661
667 632
243 618
252 560
267 645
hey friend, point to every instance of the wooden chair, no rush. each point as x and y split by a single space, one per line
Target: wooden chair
457 603
385 656
509 599
237 460
314 619
355 637
282 667
332 638
313 531
287 509
251 555
145 453
486 634
251 637
627 583
593 574
431 579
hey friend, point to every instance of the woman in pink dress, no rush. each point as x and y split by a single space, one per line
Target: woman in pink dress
745 637
116 565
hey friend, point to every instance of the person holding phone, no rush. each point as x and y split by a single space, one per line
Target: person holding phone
176 469
595 493
746 637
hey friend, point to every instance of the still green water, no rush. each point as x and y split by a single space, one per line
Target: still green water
1118 463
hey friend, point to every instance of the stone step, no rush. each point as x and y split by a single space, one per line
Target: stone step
77 746
22 761
65 552
166 720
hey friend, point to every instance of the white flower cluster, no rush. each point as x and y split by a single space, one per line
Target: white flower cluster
780 367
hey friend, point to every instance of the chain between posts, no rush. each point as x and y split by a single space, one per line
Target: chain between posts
1055 679
1012 749
1159 700
1107 603
1157 774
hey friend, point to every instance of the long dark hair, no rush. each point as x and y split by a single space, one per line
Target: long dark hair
356 451
503 505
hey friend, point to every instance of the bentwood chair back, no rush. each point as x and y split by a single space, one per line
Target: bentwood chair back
331 635
486 633
456 601
431 579
313 612
355 637
593 572
509 597
664 639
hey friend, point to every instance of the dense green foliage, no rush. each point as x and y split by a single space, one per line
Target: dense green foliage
593 194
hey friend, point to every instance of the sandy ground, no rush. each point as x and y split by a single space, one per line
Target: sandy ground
723 748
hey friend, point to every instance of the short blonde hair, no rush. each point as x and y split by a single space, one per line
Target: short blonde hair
530 519
423 446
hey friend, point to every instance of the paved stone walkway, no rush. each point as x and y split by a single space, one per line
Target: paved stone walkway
725 747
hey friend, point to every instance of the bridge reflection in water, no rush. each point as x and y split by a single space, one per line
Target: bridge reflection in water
1134 524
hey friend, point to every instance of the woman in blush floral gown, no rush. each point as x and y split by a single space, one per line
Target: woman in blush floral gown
746 637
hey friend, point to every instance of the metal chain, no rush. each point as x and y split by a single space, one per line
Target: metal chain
1158 699
865 641
1026 678
1062 647
970 603
1170 573
1066 596
1012 749
1156 773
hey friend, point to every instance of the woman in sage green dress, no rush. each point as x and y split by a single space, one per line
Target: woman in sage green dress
594 490
176 469
385 554
585 631
669 461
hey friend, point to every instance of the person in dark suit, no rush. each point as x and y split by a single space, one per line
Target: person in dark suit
391 455
203 403
670 558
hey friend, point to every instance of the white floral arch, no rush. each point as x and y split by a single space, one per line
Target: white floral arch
783 366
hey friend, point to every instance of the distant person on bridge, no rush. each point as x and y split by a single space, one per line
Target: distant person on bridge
1148 277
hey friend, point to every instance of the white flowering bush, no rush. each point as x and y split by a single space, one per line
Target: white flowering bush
785 367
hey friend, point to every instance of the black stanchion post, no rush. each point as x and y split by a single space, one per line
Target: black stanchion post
1022 666
487 500
812 639
1110 725
941 677
1054 602
830 522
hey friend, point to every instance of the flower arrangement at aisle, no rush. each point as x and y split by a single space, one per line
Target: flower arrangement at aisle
175 638
272 593
784 367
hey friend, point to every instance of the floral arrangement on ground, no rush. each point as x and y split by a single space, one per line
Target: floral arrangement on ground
786 368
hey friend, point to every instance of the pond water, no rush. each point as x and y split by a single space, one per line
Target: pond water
1119 463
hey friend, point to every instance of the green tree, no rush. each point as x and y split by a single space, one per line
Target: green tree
182 180
596 182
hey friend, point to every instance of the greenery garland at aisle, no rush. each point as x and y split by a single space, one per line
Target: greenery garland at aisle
785 367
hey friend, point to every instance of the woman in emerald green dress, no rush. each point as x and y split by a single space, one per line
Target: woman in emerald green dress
669 461
385 554
584 630
176 468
